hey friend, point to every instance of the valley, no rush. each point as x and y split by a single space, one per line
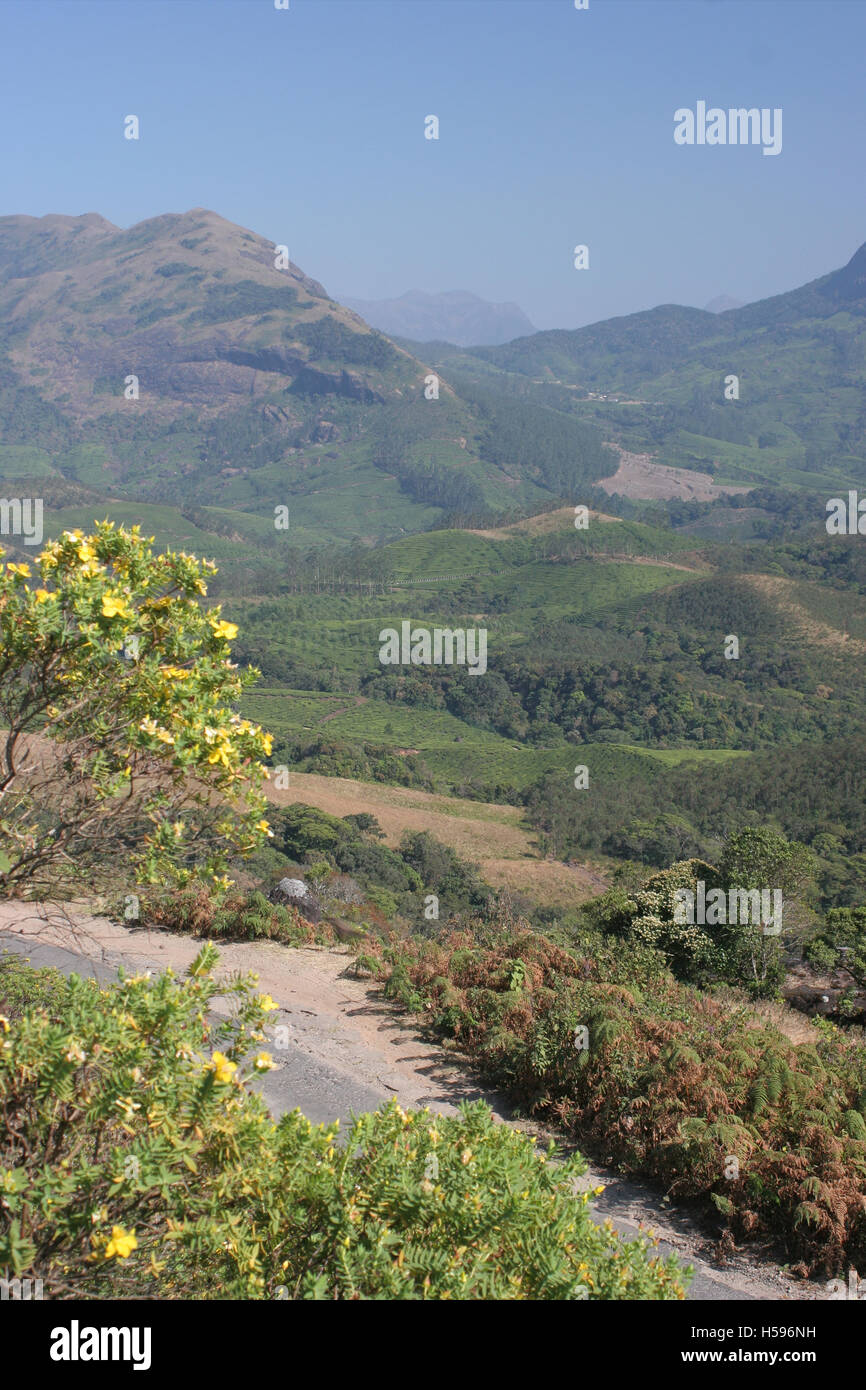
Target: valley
432 673
517 697
261 396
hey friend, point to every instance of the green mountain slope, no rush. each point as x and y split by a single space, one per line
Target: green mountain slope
656 381
253 388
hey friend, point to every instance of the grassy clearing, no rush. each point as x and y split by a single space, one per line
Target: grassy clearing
491 836
25 461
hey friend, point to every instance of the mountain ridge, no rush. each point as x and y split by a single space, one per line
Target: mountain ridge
452 316
182 357
173 361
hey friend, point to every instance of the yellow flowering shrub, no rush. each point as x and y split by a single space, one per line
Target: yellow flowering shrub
121 749
137 1162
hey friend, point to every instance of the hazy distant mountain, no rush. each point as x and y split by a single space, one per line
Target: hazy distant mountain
631 351
454 317
721 303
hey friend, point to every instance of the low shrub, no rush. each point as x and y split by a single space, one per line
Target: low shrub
22 986
190 910
253 918
136 1162
240 917
711 1101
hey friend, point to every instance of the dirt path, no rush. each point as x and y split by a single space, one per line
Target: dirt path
653 560
350 1049
358 700
335 1019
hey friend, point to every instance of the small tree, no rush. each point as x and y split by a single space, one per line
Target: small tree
755 859
121 758
648 916
841 943
366 823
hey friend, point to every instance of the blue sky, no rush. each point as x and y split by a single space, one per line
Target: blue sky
556 128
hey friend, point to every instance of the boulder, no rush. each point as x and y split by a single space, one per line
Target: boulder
293 892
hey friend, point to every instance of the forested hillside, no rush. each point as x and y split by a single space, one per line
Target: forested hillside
661 380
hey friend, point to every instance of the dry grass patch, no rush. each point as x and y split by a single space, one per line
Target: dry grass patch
488 834
818 632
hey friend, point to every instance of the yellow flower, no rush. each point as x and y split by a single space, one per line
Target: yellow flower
223 629
115 606
122 1243
19 569
222 1068
175 673
263 826
4 1023
265 1062
267 1003
86 552
150 726
42 595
